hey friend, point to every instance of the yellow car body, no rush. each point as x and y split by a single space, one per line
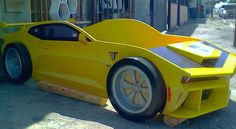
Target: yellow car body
196 79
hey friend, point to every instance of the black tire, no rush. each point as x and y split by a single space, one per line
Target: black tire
158 98
26 64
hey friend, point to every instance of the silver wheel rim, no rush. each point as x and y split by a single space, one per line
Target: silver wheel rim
13 63
132 89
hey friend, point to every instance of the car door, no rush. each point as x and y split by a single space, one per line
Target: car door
65 60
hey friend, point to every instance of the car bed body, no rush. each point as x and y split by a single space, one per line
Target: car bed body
196 73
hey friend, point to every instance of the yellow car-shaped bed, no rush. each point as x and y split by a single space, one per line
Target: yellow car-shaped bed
141 71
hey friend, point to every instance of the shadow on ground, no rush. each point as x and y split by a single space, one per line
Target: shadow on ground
24 106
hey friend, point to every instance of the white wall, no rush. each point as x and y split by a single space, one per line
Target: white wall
174 14
16 11
183 14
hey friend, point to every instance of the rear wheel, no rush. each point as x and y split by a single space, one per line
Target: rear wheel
136 89
17 63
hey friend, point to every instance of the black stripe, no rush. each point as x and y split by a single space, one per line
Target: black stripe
220 61
175 57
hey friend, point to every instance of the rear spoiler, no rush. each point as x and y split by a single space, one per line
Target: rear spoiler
5 25
229 68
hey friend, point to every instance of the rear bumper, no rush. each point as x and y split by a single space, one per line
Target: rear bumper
192 99
203 98
206 96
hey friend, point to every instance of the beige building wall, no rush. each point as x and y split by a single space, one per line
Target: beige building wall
15 11
183 14
174 14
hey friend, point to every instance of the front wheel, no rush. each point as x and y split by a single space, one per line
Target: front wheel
136 89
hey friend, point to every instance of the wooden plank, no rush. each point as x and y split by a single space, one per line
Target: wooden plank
57 89
172 121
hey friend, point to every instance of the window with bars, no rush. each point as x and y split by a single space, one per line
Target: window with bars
103 9
109 9
39 10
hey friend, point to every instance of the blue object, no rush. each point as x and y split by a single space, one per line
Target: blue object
193 12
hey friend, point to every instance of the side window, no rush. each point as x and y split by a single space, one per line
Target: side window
60 32
37 31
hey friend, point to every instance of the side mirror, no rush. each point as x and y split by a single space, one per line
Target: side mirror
84 39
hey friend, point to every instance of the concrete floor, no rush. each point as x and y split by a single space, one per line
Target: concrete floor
27 107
